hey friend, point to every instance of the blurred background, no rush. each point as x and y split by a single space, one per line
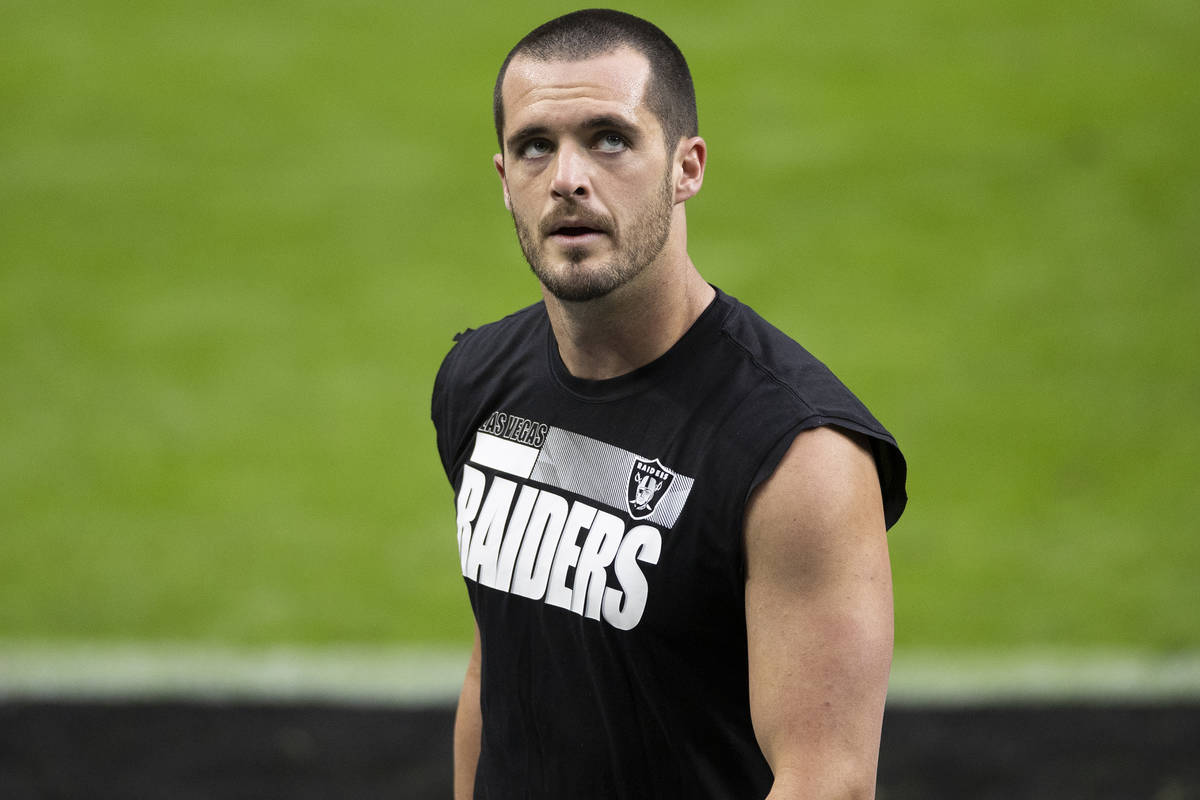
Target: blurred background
237 238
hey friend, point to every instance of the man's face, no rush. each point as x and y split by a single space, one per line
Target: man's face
586 174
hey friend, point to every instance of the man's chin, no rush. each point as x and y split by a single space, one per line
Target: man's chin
578 282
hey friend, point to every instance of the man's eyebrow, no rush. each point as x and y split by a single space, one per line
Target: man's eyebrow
609 121
528 132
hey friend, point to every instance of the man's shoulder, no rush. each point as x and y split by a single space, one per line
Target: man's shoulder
497 335
507 338
789 372
481 361
780 359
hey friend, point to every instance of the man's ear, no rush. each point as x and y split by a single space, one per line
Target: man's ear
498 160
691 156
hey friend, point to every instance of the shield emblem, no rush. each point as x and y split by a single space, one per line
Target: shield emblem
648 483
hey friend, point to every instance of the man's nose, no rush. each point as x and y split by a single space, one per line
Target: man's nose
570 173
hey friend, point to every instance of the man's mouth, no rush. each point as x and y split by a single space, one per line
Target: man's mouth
575 231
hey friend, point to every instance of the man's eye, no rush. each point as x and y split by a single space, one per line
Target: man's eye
534 148
612 143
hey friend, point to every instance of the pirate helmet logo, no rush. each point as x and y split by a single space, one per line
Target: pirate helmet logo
648 483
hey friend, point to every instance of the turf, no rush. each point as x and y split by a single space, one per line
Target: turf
235 240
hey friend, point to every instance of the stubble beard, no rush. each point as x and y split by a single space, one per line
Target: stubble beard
637 247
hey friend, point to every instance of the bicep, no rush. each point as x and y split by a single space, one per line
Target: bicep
819 613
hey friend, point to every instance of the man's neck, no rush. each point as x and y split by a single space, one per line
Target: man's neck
632 326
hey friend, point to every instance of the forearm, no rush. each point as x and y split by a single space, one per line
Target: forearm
468 725
820 725
466 742
800 787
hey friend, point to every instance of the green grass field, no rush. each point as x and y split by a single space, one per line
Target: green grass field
235 240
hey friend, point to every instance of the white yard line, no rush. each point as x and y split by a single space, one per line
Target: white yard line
928 678
409 675
424 676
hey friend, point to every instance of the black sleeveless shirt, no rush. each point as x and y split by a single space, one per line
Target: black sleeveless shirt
599 526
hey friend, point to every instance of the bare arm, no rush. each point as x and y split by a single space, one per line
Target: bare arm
467 727
819 618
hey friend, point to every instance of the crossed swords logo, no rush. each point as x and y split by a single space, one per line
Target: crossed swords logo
648 483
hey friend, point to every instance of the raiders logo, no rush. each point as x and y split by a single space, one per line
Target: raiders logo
648 483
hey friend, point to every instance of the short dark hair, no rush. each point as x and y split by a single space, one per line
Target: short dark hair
579 35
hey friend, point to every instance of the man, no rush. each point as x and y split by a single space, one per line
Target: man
671 518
